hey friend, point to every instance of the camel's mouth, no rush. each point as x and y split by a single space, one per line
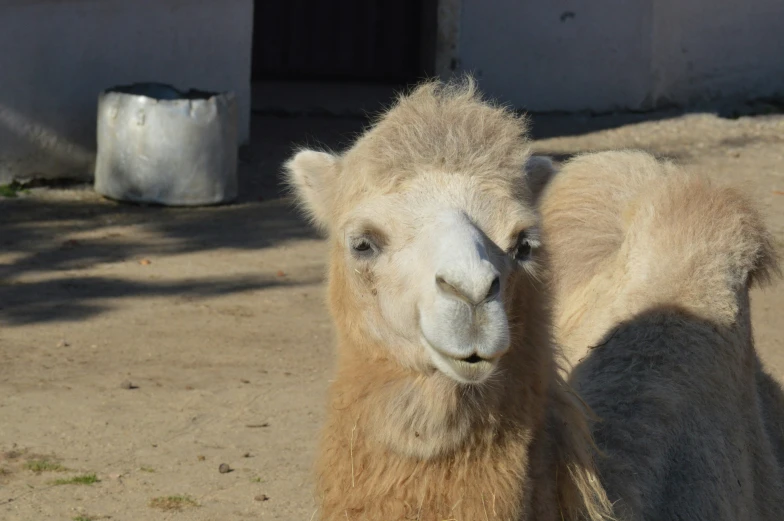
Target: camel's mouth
473 359
471 370
470 373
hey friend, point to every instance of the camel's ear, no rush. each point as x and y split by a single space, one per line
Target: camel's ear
538 172
311 175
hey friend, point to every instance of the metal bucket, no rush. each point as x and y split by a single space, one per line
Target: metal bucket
159 145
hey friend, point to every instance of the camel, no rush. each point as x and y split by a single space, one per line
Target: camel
651 271
447 402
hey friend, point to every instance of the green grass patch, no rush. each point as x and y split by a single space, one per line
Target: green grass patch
12 189
85 479
173 502
44 465
147 469
82 518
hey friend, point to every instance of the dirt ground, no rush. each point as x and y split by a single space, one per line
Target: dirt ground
147 346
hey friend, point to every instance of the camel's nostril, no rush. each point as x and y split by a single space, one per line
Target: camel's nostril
451 289
495 289
444 285
473 359
471 296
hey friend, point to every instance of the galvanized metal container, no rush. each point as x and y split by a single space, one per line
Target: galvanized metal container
157 144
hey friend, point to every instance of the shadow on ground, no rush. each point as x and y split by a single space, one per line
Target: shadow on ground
77 298
552 125
47 246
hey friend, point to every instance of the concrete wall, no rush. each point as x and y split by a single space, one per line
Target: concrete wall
57 55
717 48
563 55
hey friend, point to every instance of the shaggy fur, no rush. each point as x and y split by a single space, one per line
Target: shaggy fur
401 443
653 268
437 127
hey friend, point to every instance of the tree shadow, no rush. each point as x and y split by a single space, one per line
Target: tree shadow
48 239
37 231
78 298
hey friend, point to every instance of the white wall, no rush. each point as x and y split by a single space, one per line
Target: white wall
57 55
718 48
566 55
537 56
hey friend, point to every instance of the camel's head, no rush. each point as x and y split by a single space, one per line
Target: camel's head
431 229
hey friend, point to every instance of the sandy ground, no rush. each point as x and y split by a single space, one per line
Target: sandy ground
148 346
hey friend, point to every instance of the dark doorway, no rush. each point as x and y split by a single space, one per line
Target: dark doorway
378 41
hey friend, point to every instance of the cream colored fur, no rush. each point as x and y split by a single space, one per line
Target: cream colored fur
652 269
404 438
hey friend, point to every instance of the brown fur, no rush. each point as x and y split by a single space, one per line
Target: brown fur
524 431
653 267
407 443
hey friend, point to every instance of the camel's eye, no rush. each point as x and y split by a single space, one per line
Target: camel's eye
363 248
523 247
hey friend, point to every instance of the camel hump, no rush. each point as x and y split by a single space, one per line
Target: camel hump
608 205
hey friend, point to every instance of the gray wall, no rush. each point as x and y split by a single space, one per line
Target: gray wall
57 55
718 48
562 55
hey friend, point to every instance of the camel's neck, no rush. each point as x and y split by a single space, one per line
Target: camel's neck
403 446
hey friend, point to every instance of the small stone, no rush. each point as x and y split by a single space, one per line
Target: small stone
281 273
224 468
262 497
243 380
145 262
246 455
200 457
63 343
126 384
